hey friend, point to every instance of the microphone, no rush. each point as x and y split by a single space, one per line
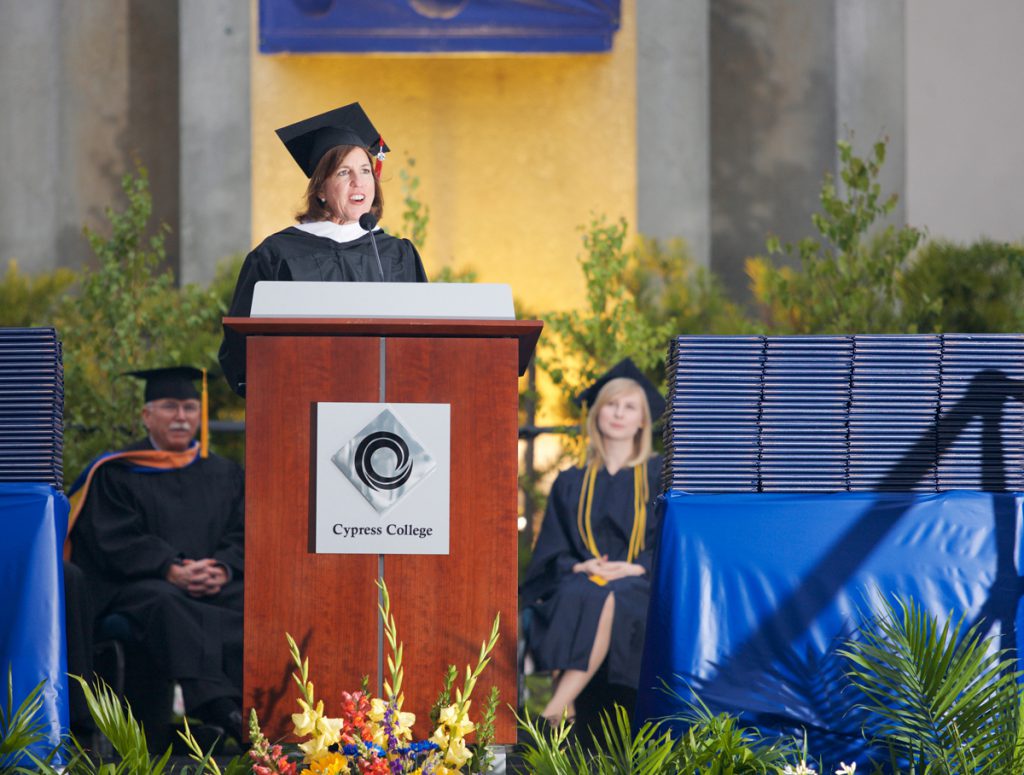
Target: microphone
367 221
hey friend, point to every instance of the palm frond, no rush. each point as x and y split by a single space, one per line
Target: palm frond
718 743
649 751
941 697
20 727
549 749
120 727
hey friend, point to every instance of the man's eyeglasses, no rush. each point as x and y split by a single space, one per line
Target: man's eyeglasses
170 406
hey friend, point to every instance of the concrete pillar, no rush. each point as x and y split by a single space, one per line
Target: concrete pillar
29 121
153 107
964 115
871 93
216 135
773 124
64 91
87 89
673 125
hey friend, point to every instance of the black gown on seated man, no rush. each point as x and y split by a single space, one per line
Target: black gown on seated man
293 254
134 524
567 605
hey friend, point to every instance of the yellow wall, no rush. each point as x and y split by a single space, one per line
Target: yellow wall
513 152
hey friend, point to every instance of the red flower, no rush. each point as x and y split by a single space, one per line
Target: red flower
354 710
271 761
376 766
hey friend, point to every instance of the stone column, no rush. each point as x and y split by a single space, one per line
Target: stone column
871 94
673 125
773 124
216 134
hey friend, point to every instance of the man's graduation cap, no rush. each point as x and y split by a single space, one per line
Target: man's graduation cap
170 382
625 368
308 140
179 382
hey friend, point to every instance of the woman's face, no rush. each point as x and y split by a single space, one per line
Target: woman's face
623 416
348 193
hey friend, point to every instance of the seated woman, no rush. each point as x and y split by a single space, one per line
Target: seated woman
588 581
340 152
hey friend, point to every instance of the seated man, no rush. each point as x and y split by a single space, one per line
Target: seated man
159 536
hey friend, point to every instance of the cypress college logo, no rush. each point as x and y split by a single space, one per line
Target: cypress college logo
384 461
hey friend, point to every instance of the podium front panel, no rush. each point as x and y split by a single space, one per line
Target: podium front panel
444 605
328 603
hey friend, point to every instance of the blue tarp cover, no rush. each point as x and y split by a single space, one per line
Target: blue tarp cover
752 593
437 25
33 523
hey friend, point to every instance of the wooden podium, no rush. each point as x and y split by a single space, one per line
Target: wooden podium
443 604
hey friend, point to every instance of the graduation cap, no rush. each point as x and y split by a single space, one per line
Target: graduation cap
308 140
178 382
625 368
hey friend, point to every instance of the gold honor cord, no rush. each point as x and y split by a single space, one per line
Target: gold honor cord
586 502
204 421
583 509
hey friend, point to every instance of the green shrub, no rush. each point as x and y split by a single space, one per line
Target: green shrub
31 300
975 288
126 314
847 278
670 288
579 345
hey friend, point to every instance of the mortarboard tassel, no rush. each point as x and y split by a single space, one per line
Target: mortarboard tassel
204 421
377 165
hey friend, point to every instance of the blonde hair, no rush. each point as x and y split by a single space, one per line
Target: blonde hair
642 442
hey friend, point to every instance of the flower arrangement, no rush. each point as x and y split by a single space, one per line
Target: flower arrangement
373 735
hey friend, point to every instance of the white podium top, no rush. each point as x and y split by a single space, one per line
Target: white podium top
481 301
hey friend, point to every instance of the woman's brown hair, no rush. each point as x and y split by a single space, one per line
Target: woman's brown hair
316 209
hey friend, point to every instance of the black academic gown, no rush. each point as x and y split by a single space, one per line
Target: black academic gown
293 254
567 605
132 527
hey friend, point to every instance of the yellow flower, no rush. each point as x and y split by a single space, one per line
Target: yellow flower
330 728
322 732
457 753
377 708
441 737
458 724
401 721
403 724
329 764
314 747
305 722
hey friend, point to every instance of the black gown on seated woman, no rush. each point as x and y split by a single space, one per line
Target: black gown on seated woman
568 605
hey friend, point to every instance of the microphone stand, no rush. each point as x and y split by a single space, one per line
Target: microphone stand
368 222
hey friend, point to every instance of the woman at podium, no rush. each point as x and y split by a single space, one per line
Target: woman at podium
336 238
588 582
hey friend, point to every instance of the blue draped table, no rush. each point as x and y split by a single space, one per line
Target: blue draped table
752 593
33 523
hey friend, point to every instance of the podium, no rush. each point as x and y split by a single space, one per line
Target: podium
443 604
